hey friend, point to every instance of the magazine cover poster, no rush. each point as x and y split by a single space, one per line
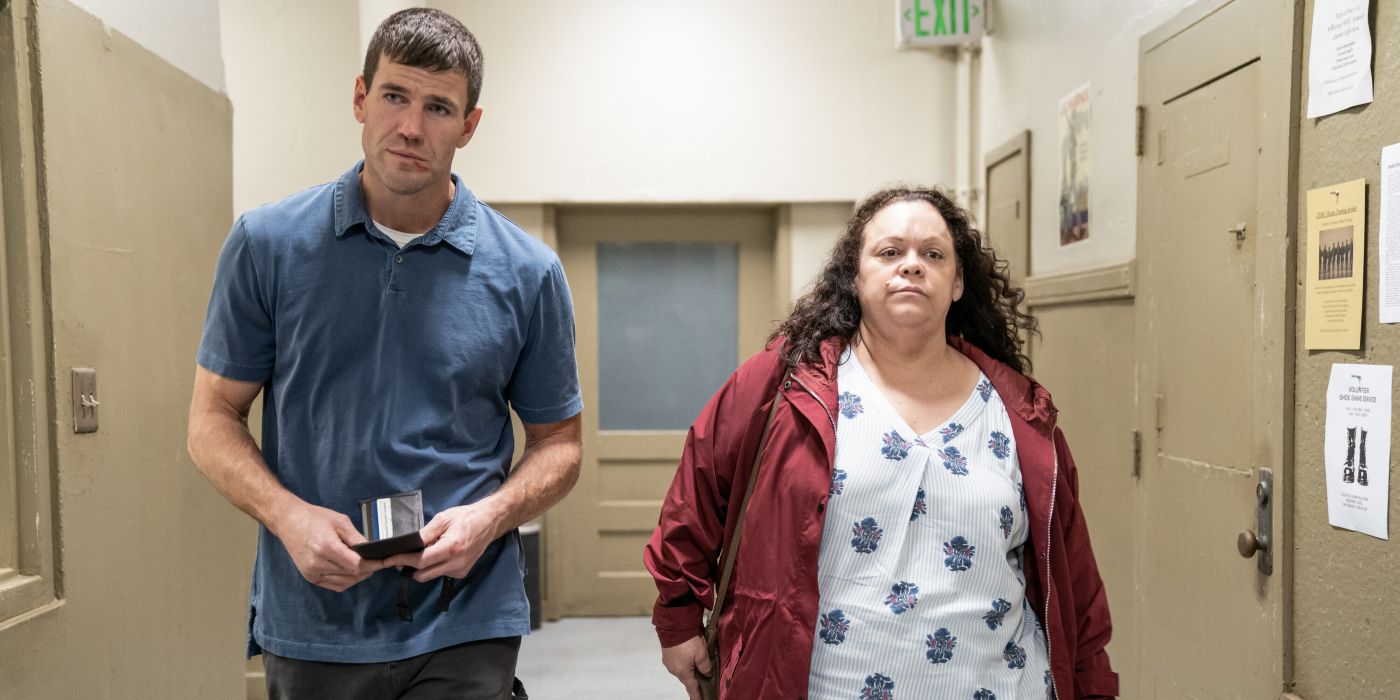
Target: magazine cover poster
1074 166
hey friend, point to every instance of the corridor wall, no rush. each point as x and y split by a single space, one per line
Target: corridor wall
293 126
726 101
1344 582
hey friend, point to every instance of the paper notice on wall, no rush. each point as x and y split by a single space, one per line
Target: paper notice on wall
1074 121
1356 449
1390 234
1339 58
1336 263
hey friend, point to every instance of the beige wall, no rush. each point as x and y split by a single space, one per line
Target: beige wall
1086 357
372 12
639 101
291 75
185 33
814 229
621 101
1039 52
1345 610
137 175
743 103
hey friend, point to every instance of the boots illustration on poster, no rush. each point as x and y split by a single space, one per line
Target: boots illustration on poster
1348 473
1354 469
1361 461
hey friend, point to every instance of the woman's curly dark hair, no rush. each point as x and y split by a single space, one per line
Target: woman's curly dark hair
988 315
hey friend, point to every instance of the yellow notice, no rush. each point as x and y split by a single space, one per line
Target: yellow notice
1336 255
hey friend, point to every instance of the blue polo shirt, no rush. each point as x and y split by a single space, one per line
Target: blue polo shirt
387 370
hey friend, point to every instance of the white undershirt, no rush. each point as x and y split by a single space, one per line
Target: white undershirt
398 237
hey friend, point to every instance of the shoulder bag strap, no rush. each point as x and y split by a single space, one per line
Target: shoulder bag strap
731 550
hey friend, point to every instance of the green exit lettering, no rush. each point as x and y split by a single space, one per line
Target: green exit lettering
945 17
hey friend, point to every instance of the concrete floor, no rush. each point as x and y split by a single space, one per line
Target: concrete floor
617 658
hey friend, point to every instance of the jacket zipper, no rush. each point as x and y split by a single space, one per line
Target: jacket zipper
1054 485
821 507
829 416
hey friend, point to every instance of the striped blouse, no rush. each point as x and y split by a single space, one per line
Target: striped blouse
922 591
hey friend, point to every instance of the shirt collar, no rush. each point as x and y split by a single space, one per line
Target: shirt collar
457 227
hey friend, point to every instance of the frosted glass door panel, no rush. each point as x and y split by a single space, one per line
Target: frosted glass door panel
668 331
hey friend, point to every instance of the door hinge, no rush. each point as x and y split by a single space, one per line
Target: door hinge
1137 454
1141 130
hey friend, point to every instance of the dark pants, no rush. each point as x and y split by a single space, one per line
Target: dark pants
481 670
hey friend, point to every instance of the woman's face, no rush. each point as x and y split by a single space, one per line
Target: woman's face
908 274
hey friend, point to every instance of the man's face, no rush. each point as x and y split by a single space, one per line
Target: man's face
414 122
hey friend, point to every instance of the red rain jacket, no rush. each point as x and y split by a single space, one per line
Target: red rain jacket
768 624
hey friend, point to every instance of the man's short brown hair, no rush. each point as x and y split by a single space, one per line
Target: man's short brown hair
430 39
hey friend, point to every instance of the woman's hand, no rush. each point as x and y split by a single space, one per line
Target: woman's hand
684 659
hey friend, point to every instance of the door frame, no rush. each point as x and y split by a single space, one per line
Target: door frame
1020 144
1279 44
756 278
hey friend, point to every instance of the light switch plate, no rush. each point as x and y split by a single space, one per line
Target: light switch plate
84 400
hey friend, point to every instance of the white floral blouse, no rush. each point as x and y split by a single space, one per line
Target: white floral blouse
922 592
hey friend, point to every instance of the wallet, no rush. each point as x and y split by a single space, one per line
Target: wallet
391 525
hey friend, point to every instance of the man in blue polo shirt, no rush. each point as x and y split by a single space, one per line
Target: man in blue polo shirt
391 321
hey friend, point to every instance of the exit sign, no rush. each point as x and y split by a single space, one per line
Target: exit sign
924 23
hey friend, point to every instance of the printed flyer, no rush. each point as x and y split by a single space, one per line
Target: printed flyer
1336 264
1356 449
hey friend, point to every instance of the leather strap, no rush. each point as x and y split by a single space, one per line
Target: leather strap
401 599
731 550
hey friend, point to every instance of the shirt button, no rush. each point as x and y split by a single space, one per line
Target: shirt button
398 258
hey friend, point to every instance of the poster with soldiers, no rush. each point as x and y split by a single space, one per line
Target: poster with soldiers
1074 166
1336 264
1356 449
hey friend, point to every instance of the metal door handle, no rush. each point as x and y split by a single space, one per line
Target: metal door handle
1249 543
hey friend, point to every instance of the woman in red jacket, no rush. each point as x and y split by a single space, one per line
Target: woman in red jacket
913 528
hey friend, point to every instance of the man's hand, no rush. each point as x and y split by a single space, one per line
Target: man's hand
319 539
454 539
684 659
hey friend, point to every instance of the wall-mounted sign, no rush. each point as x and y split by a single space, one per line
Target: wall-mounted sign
1336 266
933 23
1339 57
1356 449
1074 166
1390 234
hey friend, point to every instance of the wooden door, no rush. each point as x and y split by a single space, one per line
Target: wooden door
1008 227
668 301
1212 344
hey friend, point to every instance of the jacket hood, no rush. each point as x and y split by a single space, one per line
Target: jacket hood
822 374
1020 393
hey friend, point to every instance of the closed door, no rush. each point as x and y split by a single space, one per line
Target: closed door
1008 204
1209 622
668 302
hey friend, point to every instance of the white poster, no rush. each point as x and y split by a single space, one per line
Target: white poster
1339 58
1356 449
1074 166
1390 234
